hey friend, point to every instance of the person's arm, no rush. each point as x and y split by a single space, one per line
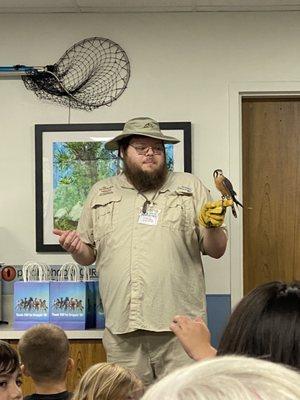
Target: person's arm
194 337
71 242
214 242
211 217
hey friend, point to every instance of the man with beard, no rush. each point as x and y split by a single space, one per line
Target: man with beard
146 230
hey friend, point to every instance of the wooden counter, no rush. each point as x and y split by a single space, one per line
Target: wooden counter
9 333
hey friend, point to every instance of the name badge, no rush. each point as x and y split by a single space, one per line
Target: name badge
150 217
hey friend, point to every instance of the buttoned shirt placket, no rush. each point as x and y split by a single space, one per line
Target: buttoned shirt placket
135 314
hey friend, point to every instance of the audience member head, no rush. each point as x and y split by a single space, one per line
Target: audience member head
228 378
10 373
44 351
266 324
105 381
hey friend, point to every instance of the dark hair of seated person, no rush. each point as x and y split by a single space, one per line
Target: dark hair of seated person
9 359
266 324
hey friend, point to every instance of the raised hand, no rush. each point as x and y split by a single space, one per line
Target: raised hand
194 336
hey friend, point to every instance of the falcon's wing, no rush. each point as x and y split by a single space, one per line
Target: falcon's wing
228 186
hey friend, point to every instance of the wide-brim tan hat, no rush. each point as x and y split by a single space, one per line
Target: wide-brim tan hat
142 126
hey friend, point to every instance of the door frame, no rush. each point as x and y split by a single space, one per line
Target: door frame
236 92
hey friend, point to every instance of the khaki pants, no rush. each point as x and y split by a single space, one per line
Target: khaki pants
151 355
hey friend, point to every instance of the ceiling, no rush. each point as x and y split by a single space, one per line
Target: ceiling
111 6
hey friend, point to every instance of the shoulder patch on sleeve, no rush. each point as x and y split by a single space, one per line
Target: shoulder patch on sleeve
104 190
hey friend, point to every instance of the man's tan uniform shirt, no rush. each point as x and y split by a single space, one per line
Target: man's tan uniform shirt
149 266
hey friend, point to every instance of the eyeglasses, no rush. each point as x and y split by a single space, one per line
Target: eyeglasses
143 150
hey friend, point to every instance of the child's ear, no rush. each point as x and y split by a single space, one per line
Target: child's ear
70 364
24 370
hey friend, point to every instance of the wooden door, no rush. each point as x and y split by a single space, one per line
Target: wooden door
271 190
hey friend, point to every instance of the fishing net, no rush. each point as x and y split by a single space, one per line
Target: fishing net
92 73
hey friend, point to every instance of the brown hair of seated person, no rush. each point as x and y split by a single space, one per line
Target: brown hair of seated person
10 373
44 351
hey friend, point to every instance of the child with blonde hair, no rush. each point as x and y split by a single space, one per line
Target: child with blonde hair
105 381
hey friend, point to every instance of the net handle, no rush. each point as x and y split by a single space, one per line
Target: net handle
20 70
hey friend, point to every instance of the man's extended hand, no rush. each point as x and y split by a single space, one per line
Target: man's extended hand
69 240
212 214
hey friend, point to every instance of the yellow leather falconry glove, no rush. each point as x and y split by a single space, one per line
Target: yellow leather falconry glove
212 214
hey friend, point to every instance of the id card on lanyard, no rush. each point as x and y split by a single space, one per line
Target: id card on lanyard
150 217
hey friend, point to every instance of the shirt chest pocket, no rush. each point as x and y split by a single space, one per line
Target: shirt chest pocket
178 211
105 210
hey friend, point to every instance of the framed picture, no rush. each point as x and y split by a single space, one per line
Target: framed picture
70 158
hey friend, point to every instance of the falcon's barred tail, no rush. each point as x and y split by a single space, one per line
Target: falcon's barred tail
237 202
233 211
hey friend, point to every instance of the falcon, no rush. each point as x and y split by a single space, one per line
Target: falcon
224 186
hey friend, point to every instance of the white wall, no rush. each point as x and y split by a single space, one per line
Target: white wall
182 68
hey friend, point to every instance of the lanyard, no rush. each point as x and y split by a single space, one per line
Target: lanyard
147 201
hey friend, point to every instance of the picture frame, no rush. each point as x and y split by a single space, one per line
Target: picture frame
60 172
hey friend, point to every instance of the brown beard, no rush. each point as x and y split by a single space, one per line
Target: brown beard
142 180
